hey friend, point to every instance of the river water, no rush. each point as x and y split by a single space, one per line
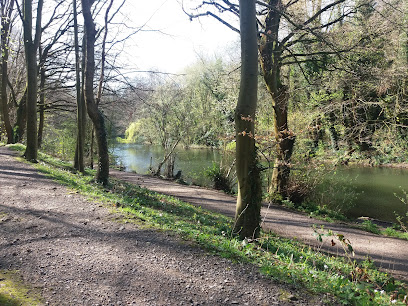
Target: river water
356 191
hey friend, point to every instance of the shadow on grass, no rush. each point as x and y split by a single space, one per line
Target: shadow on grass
9 301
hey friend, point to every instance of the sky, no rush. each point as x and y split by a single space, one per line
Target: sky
170 41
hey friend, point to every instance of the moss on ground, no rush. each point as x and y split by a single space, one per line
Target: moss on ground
13 291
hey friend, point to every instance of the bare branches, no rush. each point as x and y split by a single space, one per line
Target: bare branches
221 9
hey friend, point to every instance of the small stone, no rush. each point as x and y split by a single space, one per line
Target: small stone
293 298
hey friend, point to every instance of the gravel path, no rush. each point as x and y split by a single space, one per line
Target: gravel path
76 254
388 253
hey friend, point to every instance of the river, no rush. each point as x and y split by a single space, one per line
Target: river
356 191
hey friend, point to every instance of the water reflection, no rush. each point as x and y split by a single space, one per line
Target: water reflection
357 192
192 162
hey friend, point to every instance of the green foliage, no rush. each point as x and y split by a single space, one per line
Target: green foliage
134 133
403 220
230 146
284 260
220 178
60 141
197 108
369 226
392 232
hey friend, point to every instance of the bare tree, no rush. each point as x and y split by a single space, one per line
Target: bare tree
31 46
92 107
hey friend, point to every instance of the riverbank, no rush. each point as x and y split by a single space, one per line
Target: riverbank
281 259
353 191
287 223
72 246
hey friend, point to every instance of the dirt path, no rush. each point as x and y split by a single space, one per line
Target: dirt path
390 254
76 254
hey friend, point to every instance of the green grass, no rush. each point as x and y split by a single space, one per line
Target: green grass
13 292
391 232
324 213
283 260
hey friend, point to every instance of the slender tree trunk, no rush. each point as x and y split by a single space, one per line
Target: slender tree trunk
247 217
91 150
271 51
334 136
92 108
285 140
5 32
4 100
166 157
31 105
41 106
19 126
81 112
31 46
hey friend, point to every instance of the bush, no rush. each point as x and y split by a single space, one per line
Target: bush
220 178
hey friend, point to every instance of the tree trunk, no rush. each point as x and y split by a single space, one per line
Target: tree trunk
31 46
166 157
5 29
41 106
285 140
334 136
271 52
81 111
19 126
247 217
92 108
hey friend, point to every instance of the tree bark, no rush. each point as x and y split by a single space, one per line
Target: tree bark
41 106
92 108
20 124
271 53
31 46
81 112
5 32
247 217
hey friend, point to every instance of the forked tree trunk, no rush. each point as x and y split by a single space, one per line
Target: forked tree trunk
247 217
92 108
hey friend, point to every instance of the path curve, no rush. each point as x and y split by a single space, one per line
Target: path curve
389 254
75 253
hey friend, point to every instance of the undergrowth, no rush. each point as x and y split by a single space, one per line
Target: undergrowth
284 260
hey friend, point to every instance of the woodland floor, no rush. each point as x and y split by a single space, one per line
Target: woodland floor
75 253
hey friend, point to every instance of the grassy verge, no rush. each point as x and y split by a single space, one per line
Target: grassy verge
329 215
281 259
371 227
13 292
